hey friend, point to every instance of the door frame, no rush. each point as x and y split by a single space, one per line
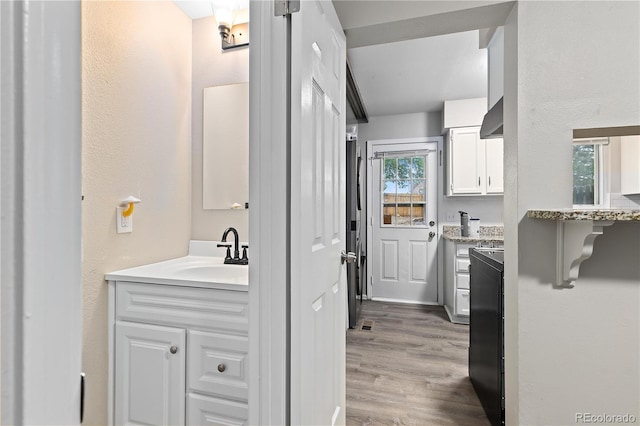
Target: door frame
269 183
371 145
41 212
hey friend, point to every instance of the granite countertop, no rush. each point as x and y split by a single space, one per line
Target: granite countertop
577 214
488 234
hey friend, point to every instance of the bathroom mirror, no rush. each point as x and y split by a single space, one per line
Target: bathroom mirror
225 147
606 168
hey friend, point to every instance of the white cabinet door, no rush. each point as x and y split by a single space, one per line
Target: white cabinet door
494 165
466 161
150 379
630 165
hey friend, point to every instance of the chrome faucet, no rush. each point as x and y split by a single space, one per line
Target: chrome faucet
235 260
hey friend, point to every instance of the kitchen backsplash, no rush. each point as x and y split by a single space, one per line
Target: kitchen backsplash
620 201
486 231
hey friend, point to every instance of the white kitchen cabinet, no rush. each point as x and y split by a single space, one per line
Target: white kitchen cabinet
456 295
475 165
494 160
179 355
630 165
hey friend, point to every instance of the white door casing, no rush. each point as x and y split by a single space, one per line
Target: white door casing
318 208
404 254
41 212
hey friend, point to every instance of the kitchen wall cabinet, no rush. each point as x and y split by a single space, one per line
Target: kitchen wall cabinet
630 165
475 165
179 355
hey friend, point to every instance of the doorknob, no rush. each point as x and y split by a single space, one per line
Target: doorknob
349 257
432 234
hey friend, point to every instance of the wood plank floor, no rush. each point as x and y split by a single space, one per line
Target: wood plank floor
410 369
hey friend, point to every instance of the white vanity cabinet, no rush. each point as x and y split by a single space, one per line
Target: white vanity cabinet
178 354
456 294
475 166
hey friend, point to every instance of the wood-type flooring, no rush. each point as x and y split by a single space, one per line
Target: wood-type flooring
409 369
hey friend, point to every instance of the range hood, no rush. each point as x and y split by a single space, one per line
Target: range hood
492 122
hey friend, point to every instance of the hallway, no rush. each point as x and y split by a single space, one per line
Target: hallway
409 369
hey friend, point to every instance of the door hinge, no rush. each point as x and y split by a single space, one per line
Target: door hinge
285 7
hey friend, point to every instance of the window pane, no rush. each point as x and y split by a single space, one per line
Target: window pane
584 160
390 166
418 191
389 215
404 187
404 168
404 216
389 192
418 215
418 167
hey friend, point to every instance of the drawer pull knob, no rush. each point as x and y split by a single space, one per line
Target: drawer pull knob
221 368
173 349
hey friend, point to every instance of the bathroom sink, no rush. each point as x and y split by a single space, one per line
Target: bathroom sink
192 270
215 272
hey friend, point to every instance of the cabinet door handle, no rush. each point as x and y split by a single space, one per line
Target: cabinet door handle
489 180
221 368
478 180
173 349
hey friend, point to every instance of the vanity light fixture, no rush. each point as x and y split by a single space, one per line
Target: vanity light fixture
232 34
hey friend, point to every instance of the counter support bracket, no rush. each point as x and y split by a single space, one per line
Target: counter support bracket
575 240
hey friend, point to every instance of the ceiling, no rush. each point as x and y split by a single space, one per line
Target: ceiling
430 49
418 75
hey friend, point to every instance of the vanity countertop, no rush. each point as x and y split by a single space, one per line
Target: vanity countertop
203 267
585 214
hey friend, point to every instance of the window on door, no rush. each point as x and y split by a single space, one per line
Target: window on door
404 192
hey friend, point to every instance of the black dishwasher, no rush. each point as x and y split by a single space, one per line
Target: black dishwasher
486 330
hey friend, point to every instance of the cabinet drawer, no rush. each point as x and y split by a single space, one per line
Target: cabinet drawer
462 250
462 302
462 265
182 306
203 410
462 281
208 353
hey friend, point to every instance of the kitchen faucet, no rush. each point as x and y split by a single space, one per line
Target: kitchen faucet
235 260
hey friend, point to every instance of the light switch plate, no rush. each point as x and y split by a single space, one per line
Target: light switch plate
451 217
124 225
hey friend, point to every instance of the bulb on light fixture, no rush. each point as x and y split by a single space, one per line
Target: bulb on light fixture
225 14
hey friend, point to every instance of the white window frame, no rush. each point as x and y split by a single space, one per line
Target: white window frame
601 173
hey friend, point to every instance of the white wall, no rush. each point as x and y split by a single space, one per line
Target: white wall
212 67
567 350
401 126
136 111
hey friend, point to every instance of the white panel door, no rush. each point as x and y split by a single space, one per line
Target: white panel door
467 161
150 377
318 209
494 161
404 214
